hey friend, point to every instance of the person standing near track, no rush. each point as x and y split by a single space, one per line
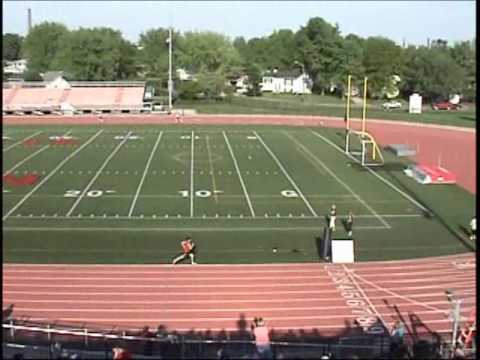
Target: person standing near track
332 218
349 224
188 248
262 338
473 229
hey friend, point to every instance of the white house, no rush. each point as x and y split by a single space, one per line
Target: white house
184 75
55 80
293 82
16 67
239 83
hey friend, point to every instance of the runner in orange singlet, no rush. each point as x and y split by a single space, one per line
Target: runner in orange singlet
188 247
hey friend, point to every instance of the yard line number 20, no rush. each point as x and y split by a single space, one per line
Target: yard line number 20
76 193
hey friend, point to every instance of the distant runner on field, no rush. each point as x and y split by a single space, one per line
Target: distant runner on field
188 247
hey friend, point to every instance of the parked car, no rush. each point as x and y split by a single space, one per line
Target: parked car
392 105
445 105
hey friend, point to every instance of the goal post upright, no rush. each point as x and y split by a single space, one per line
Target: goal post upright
347 115
364 110
367 141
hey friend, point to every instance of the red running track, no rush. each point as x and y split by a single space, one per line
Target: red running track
328 297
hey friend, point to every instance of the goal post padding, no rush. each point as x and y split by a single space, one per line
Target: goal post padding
343 250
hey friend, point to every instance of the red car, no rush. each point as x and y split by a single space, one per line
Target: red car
445 105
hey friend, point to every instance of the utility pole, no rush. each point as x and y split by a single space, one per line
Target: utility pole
170 83
29 20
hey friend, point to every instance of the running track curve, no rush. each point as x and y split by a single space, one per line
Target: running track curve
290 296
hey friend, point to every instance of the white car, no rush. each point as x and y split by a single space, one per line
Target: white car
392 105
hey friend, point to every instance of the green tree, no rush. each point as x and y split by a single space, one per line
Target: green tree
382 59
254 79
42 45
11 47
281 49
211 84
153 52
463 53
433 73
96 54
206 51
320 49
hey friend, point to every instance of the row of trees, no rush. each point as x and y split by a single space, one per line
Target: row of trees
319 47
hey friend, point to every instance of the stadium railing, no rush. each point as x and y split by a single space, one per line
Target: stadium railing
88 343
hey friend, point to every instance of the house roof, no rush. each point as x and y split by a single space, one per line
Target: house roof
287 74
51 75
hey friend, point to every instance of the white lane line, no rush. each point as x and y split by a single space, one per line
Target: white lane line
387 225
367 299
247 197
97 174
187 228
21 141
144 174
324 299
408 197
136 285
192 153
309 206
32 280
44 180
398 295
31 156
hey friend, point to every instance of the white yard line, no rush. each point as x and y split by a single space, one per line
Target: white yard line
247 197
223 217
97 174
423 208
192 154
340 181
44 180
31 156
309 206
187 228
212 171
21 141
144 174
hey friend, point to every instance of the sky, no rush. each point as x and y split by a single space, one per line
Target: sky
410 21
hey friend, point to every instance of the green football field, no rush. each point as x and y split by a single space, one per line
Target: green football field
129 194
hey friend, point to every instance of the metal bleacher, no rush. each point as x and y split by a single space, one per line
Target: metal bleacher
81 97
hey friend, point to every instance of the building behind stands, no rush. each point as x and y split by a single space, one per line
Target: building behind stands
56 95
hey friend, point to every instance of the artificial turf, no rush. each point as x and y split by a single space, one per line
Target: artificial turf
118 200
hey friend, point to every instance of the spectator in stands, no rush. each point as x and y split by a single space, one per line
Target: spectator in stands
473 229
148 344
459 352
398 333
332 218
188 247
262 338
121 354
